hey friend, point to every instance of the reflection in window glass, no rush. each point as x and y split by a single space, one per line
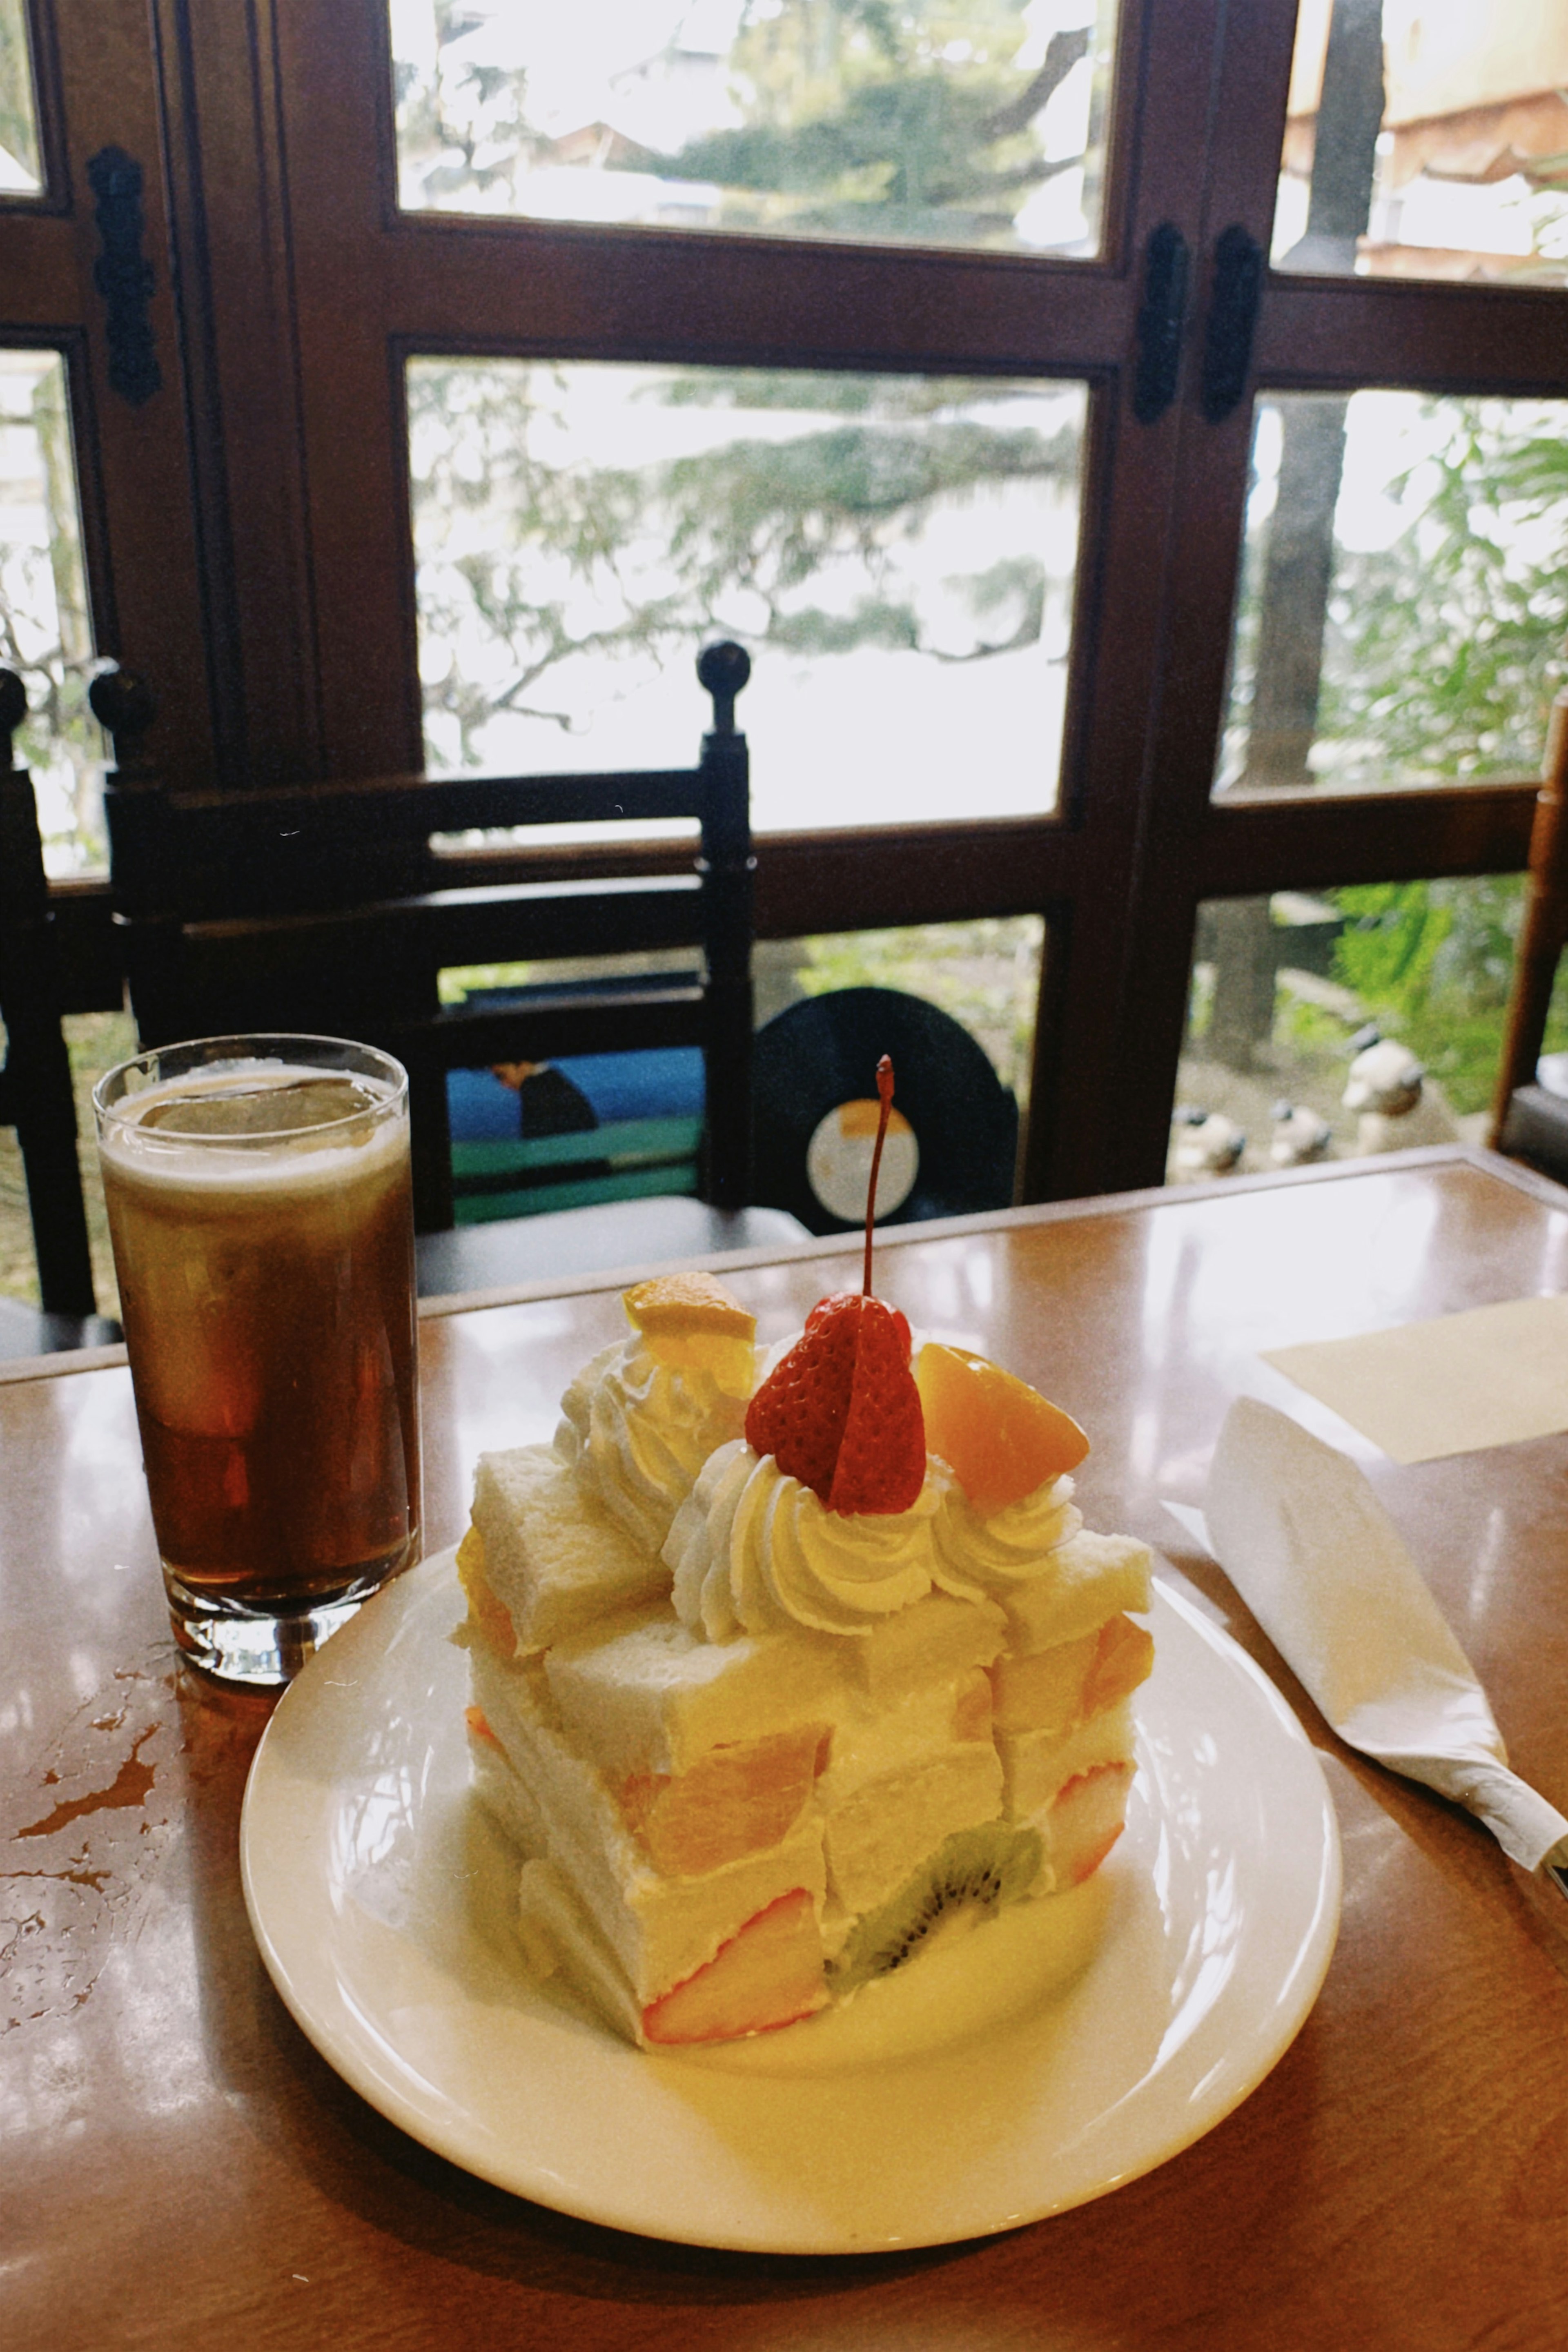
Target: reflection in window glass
21 173
1404 595
957 123
1290 994
1428 139
45 631
897 553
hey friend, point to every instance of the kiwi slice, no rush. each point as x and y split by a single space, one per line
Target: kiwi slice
982 1867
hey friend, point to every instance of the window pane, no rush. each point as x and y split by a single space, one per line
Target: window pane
1428 139
986 975
1404 591
529 1136
21 173
45 631
897 552
976 124
97 1042
1287 992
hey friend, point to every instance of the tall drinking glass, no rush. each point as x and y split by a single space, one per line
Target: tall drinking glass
261 1209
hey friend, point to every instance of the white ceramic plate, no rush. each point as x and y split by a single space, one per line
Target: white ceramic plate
379 1895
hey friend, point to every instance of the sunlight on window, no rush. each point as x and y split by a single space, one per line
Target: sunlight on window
21 170
1428 139
1404 591
898 554
948 122
46 634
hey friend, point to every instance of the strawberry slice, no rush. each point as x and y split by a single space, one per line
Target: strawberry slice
881 1464
842 1413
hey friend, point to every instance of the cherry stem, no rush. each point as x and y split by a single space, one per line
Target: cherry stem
885 1094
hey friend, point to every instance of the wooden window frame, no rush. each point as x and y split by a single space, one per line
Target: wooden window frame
304 288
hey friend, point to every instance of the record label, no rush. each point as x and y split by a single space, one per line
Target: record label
838 1159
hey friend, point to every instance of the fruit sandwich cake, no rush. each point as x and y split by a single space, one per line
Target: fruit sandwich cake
771 1682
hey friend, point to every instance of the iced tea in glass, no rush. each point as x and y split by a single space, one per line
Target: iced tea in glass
260 1208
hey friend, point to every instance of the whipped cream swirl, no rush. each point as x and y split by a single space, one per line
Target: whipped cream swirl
637 1433
753 1551
978 1558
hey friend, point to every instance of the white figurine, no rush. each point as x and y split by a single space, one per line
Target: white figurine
1396 1109
1207 1143
1301 1136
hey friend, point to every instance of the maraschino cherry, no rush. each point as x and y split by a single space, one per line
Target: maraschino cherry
842 1413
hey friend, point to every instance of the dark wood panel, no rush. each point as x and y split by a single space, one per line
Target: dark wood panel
38 288
455 285
229 199
1329 333
143 562
1396 837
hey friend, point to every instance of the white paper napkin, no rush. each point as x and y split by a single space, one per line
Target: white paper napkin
1304 1540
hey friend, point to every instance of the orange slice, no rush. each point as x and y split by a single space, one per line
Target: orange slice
999 1437
691 1323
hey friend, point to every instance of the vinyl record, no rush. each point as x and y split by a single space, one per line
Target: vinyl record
815 1074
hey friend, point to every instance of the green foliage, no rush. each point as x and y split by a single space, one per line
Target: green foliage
1432 961
1443 651
855 107
918 114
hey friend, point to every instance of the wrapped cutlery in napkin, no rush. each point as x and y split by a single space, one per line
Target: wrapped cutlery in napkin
1305 1541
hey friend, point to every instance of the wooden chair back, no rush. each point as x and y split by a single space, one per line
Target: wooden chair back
1544 933
326 909
36 1097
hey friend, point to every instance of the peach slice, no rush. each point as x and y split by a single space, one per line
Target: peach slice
1052 1690
691 1323
1124 1658
1044 1691
1000 1438
739 1799
768 1975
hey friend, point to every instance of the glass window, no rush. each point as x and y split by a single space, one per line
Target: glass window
97 1042
45 631
21 171
1404 595
986 975
898 552
1428 139
527 1137
1289 996
939 122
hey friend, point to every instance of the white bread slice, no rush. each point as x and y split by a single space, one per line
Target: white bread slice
554 1558
1089 1579
1037 1765
645 1695
924 1642
878 1836
557 1934
870 1743
505 1796
659 1929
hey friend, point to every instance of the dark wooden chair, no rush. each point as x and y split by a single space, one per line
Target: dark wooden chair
1530 1119
36 1097
327 909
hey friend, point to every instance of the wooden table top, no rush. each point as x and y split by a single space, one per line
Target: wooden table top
178 2167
